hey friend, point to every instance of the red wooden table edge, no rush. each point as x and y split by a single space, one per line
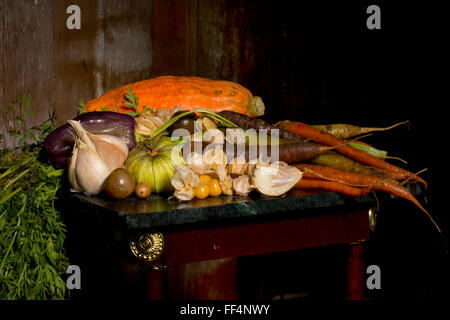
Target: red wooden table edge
265 237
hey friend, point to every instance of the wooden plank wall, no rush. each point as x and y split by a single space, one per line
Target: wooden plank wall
275 49
122 41
57 66
27 60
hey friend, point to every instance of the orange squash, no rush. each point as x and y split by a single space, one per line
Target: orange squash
185 92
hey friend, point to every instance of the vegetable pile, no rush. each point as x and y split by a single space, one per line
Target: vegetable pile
196 137
185 137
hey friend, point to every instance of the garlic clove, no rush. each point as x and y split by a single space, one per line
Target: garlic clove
113 140
91 171
71 170
111 155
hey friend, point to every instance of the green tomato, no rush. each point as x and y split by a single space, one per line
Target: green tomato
153 161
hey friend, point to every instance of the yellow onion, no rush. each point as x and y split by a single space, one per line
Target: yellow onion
153 161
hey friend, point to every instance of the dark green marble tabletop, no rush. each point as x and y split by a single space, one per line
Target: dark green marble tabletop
160 212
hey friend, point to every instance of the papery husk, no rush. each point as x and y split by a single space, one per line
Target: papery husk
215 157
242 185
208 123
146 125
275 179
212 160
226 183
235 136
238 166
214 136
184 181
151 119
197 164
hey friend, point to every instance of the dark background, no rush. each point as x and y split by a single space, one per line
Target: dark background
312 61
376 78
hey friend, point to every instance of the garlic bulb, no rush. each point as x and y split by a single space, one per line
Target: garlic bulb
94 157
275 179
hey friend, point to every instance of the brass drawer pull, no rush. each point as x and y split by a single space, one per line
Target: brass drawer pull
148 247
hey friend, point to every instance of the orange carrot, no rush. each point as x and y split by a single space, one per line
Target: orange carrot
361 181
308 132
306 183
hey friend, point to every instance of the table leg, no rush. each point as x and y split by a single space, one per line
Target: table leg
142 282
207 280
155 285
356 272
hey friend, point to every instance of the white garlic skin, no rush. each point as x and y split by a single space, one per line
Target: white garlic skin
93 158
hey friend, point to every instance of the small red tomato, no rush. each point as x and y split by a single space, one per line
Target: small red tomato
143 190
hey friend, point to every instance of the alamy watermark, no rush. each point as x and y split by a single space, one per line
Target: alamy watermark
74 279
74 20
374 20
373 282
236 145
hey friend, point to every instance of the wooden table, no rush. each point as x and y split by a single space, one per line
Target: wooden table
203 238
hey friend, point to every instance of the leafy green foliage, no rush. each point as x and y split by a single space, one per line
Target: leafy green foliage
131 101
26 137
32 234
81 107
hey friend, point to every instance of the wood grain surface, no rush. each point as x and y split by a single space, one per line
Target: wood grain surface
303 59
125 41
